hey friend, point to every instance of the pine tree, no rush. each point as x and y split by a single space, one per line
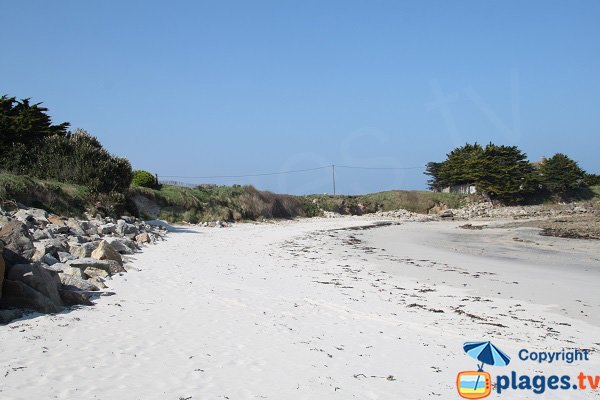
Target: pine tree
559 174
504 173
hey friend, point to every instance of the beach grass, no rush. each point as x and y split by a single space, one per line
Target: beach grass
57 197
411 200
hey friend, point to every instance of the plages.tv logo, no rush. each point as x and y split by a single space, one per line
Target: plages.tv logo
478 384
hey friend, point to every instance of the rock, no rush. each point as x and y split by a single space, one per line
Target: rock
446 214
57 229
143 238
4 219
51 246
18 245
123 228
75 239
83 250
32 286
75 297
18 294
128 218
2 267
58 267
92 272
75 227
107 229
98 282
48 259
40 234
104 251
63 256
110 266
438 208
88 227
122 245
55 220
9 315
33 216
73 271
74 283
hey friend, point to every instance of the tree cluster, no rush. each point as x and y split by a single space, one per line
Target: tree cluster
504 173
31 145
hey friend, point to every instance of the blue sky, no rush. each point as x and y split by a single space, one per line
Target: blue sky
225 88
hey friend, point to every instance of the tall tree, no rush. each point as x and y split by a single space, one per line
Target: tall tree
433 169
460 165
23 122
504 173
560 174
457 169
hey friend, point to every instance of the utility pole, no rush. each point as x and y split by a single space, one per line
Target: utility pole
333 176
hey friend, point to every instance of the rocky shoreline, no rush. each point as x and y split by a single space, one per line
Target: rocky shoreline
579 220
49 263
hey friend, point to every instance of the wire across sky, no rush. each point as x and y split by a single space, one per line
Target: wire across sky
288 172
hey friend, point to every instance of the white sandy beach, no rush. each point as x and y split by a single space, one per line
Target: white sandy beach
311 310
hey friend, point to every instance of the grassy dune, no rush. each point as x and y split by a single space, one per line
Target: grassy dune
412 200
208 202
56 197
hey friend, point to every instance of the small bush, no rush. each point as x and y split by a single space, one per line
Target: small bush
311 209
144 179
191 216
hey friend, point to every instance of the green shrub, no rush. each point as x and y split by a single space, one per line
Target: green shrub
311 209
144 179
191 216
79 158
31 145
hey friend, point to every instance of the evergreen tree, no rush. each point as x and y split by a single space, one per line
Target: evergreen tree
559 174
503 173
433 170
22 122
457 169
592 179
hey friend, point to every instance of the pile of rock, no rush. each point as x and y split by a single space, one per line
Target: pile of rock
48 262
487 210
216 224
404 215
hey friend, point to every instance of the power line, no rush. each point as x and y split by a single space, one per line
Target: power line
332 166
380 168
246 175
287 172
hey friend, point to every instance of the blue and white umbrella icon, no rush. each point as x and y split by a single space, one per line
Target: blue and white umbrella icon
487 353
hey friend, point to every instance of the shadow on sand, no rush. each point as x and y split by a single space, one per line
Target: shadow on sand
171 228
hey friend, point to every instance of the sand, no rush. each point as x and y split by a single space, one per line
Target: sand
314 309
